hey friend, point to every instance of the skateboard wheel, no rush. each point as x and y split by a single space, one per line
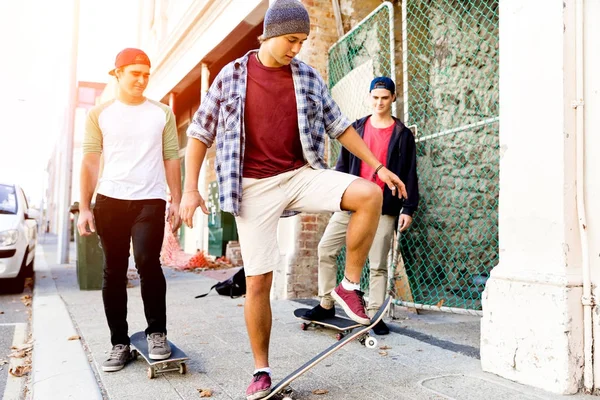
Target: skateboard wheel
304 326
134 354
151 373
182 368
339 336
371 342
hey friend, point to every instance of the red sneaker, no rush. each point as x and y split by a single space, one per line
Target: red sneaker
353 303
259 387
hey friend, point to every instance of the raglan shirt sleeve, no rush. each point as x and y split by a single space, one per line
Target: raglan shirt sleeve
92 136
170 142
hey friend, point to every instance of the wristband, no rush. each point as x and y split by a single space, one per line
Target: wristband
377 170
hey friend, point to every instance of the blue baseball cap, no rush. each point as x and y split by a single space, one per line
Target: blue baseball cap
383 82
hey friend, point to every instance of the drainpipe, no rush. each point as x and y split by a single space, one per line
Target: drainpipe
587 298
338 17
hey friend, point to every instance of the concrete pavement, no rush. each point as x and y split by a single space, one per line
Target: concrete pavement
430 356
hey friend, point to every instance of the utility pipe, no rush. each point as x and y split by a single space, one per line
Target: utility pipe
587 298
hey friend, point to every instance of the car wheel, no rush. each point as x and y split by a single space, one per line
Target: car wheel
29 268
16 284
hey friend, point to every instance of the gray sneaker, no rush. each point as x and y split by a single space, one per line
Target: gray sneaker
158 346
119 355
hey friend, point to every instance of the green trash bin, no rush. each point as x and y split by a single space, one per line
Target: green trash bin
90 258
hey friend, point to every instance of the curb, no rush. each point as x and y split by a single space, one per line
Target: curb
60 367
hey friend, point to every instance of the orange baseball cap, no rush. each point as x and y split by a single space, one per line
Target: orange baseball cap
130 56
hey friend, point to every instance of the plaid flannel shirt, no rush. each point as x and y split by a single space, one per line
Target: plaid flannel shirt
220 117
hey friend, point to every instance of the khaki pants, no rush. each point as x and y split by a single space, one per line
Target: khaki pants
329 246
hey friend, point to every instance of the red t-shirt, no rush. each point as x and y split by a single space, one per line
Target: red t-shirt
378 141
271 121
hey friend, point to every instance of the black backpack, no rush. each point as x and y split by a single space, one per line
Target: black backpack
232 287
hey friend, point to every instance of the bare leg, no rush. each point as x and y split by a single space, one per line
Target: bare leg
365 199
257 311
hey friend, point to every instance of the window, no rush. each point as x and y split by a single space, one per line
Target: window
8 200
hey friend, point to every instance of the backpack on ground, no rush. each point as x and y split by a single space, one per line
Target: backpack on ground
232 287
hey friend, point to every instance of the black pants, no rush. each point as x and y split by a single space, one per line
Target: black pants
143 222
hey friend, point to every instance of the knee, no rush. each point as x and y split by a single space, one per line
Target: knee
258 285
325 251
372 197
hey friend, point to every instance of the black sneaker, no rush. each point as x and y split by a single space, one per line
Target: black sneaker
381 328
319 313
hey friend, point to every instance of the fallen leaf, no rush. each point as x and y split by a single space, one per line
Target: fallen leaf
24 346
20 370
384 347
440 303
1 312
205 392
383 353
240 305
18 354
74 337
320 391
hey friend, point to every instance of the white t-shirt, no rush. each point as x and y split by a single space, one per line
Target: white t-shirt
134 141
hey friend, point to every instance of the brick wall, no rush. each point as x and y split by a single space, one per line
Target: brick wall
302 267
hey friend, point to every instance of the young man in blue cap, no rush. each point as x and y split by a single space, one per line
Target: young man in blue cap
393 142
269 114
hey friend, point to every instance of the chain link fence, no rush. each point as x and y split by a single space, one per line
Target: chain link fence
450 101
450 59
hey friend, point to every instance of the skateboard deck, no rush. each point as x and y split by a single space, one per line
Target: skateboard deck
340 324
176 362
283 384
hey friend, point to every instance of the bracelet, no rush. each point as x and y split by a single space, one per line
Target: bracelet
377 170
193 190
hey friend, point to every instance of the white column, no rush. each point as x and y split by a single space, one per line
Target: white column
532 328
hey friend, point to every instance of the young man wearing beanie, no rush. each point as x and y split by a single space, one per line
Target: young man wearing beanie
137 138
269 114
389 140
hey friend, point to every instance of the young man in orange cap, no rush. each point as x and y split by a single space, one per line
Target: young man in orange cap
137 138
269 114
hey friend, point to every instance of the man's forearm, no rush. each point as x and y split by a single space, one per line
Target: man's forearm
173 173
194 157
352 141
88 179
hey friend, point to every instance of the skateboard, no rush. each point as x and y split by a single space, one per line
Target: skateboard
176 362
343 325
283 386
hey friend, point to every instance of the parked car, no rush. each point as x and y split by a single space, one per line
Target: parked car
18 238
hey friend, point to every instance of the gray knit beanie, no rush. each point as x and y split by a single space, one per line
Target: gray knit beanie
285 17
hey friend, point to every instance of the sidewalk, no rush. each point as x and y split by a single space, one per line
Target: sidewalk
417 363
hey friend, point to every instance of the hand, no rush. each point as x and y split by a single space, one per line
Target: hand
405 222
393 182
189 202
173 216
85 220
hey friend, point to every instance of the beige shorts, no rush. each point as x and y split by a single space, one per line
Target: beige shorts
264 200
